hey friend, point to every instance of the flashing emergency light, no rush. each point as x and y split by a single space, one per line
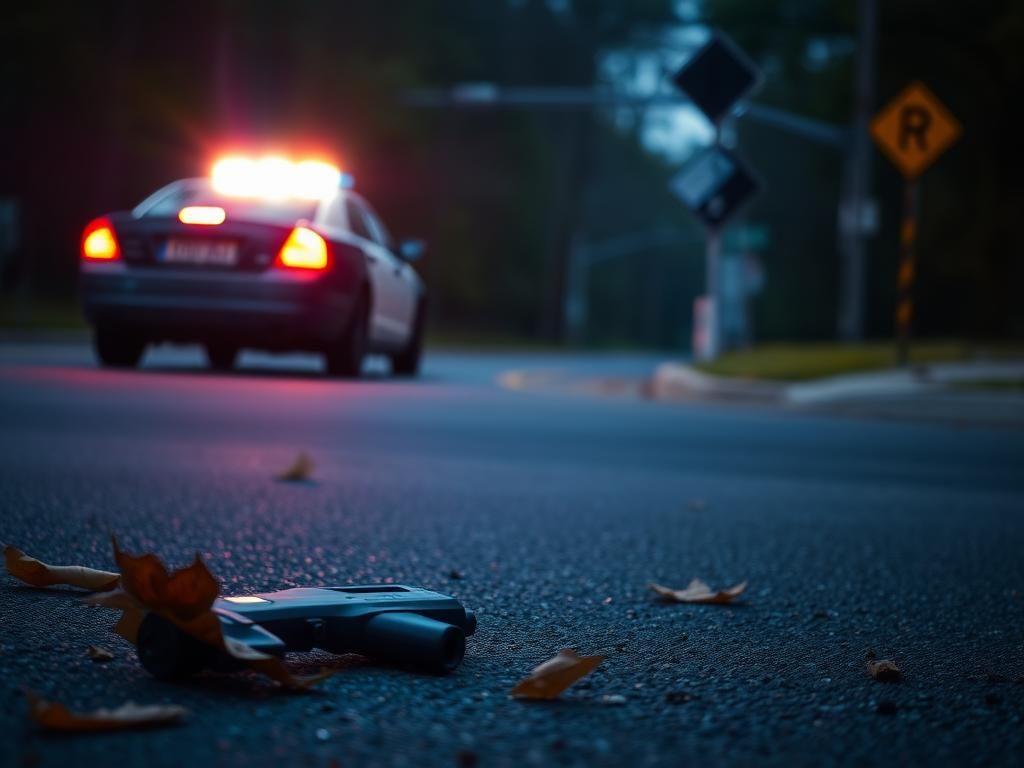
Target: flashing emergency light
208 215
274 177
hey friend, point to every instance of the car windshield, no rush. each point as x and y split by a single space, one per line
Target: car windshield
168 201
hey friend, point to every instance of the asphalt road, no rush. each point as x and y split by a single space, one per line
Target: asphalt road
557 511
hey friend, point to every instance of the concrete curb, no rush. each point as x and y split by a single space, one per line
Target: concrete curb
677 381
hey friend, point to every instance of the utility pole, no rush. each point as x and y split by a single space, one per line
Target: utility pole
854 209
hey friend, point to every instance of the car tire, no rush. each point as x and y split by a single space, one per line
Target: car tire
167 653
221 357
115 349
407 362
344 358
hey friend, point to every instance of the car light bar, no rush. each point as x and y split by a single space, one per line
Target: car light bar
208 215
99 242
274 177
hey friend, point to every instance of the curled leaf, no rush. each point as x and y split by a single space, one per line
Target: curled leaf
53 716
99 653
548 680
699 592
39 574
300 469
883 670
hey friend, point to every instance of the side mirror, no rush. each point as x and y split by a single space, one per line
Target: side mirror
411 250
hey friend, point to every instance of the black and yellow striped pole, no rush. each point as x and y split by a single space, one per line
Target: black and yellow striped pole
908 268
913 130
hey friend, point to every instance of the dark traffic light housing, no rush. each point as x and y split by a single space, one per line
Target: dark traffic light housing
390 622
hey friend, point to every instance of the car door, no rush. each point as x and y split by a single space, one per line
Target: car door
386 325
406 283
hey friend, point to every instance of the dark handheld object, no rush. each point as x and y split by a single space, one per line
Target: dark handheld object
390 622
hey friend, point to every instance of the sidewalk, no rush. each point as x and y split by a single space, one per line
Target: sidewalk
934 392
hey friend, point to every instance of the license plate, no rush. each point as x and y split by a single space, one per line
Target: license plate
216 253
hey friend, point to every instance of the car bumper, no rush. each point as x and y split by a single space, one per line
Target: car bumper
268 310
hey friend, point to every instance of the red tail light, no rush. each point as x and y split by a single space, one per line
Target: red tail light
304 249
99 242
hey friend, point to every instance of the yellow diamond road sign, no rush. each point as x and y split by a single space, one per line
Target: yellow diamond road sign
914 129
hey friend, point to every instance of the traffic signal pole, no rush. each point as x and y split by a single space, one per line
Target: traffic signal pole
712 256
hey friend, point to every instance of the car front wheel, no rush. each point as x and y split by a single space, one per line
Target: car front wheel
116 349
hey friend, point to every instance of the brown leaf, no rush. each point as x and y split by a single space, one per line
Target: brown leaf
883 670
54 716
699 592
99 653
185 598
549 679
39 574
300 469
185 593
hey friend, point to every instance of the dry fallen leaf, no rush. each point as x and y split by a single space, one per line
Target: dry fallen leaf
883 670
54 716
549 679
39 574
300 469
699 592
99 653
182 595
185 598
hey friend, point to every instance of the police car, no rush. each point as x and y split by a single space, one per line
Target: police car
265 253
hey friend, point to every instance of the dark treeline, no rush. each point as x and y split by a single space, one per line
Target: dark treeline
971 244
105 101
